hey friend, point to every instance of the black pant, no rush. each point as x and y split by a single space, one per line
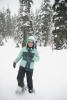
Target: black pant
21 75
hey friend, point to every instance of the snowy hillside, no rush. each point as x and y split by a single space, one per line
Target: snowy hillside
49 77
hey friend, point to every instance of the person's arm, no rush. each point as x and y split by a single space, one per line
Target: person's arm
36 56
19 56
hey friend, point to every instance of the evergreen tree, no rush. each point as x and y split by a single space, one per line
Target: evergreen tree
24 22
2 24
18 35
43 24
38 31
60 24
13 21
36 21
46 14
8 23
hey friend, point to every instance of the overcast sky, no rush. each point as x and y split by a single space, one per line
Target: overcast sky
14 5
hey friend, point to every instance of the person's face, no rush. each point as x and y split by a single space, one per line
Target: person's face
30 44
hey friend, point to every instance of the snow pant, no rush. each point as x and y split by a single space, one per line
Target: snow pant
20 77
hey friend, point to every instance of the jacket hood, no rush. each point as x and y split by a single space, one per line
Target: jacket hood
30 38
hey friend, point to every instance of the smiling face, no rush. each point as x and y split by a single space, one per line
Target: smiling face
30 44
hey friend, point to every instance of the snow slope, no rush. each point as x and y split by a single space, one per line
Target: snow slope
49 77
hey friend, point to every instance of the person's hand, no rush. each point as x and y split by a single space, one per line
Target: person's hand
14 65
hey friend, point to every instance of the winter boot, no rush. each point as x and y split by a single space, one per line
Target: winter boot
31 91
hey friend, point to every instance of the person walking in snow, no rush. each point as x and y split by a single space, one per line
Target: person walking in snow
28 55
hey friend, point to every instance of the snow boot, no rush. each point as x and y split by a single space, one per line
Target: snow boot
31 91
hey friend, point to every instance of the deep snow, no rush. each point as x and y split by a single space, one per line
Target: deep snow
49 77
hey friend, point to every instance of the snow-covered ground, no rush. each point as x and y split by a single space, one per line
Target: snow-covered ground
49 77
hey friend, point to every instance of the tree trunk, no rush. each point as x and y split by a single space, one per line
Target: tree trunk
24 37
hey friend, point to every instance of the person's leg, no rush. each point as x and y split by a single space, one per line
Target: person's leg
29 80
20 77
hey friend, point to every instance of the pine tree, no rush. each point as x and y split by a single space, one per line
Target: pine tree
14 21
44 22
60 24
38 24
2 24
8 23
24 22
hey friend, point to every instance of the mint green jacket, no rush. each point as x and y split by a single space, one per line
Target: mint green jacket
23 56
24 62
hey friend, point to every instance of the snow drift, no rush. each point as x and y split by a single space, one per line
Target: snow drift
49 77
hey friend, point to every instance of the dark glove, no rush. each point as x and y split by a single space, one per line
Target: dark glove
14 65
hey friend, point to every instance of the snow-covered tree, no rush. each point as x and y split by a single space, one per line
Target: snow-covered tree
14 21
2 24
46 14
37 24
60 23
43 22
24 22
8 23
